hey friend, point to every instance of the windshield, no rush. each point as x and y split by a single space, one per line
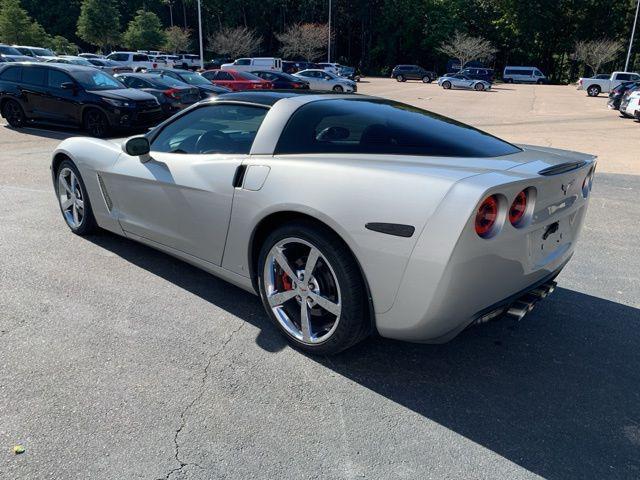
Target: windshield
43 52
248 76
194 79
97 80
5 50
170 81
79 61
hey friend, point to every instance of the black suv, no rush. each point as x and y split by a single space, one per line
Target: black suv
73 95
402 73
474 73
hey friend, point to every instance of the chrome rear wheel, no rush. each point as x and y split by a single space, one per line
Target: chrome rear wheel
302 290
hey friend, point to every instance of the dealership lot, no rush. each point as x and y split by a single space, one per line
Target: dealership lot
117 361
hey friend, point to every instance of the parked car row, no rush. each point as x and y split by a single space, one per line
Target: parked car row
594 86
478 78
625 97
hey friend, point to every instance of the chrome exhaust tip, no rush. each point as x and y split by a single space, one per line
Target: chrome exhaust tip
517 313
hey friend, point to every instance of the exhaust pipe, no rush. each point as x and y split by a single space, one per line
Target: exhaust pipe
519 309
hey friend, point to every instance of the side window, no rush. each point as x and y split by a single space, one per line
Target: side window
224 76
624 76
34 76
57 78
225 128
140 58
243 61
11 74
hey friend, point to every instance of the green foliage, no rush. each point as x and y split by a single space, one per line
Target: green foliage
62 46
99 23
15 24
177 39
144 32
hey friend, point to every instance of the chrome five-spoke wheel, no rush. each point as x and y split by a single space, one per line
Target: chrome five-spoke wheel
70 197
302 290
312 288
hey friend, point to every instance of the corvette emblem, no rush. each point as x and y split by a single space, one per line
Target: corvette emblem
565 188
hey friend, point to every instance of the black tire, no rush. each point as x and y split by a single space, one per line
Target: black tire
509 80
13 114
88 224
540 82
400 78
593 90
446 85
479 87
96 123
426 79
338 89
354 324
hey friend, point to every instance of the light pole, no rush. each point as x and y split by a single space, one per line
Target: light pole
200 35
633 32
329 39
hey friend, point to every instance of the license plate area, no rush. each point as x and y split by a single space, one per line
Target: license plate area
549 243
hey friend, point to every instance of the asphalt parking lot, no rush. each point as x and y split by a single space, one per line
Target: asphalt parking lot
119 362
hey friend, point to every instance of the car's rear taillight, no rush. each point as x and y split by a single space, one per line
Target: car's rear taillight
486 216
518 208
587 183
171 93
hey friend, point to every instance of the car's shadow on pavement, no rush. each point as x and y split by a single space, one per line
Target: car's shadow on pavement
557 394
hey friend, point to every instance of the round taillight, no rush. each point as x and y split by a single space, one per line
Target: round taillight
518 208
587 183
487 215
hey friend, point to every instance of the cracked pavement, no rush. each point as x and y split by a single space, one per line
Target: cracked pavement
119 362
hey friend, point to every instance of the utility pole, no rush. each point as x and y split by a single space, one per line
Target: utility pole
329 40
200 35
633 32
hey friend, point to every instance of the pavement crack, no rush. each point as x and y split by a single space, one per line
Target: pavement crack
190 405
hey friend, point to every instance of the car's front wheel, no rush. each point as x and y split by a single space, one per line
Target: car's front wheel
400 78
73 199
446 85
96 123
338 89
13 113
479 87
426 79
312 289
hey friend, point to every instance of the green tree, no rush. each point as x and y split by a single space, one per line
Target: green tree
37 35
15 24
99 23
178 39
144 32
62 46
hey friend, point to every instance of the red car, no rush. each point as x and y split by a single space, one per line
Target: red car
237 81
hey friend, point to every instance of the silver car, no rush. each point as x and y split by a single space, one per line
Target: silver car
459 80
327 81
347 215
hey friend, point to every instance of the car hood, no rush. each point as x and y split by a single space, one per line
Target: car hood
124 94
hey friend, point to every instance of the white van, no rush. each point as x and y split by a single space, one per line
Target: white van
523 75
252 64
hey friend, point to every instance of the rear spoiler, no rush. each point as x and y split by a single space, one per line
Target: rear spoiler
562 168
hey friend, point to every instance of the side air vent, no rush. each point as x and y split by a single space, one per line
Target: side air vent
562 168
395 229
105 194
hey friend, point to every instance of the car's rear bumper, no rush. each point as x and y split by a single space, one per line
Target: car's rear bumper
454 277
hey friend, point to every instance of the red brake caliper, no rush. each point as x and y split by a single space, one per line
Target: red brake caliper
286 281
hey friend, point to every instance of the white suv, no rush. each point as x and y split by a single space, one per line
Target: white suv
137 61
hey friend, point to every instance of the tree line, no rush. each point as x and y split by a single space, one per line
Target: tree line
564 38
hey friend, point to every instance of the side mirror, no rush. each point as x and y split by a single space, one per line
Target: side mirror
138 147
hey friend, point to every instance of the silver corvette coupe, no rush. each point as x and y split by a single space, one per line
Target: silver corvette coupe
348 215
458 80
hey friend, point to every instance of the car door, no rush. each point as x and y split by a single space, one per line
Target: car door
64 104
34 91
181 198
